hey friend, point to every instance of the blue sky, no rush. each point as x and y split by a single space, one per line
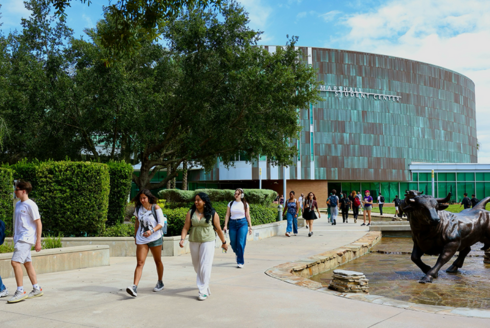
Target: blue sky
453 34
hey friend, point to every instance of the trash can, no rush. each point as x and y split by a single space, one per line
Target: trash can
279 212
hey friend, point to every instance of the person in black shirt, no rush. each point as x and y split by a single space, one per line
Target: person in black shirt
474 201
397 202
345 204
465 202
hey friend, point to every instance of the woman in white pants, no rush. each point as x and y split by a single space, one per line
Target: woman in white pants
202 220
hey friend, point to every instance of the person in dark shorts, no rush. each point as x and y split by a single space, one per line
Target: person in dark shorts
148 236
309 211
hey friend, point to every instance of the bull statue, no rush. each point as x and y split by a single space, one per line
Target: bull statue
438 232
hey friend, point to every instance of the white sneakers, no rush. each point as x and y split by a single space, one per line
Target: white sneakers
4 293
240 266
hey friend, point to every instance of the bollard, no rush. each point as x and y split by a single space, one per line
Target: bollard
279 212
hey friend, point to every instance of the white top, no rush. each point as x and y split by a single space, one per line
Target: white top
146 222
300 200
25 228
379 200
237 211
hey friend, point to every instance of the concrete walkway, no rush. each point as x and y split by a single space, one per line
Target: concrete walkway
246 297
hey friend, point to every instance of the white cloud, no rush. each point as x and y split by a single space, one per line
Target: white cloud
453 34
330 16
89 22
258 13
12 12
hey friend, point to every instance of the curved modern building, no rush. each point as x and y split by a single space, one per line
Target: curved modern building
380 115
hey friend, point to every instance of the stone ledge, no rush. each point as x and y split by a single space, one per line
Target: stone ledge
60 259
298 272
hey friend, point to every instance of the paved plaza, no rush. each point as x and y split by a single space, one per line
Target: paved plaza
96 297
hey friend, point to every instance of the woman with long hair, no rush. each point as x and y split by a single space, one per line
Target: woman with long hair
148 237
309 211
355 208
291 209
238 214
202 221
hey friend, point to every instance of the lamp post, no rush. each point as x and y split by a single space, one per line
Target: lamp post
433 185
260 177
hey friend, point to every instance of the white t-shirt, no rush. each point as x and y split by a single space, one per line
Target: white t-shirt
237 211
25 228
300 200
146 222
379 200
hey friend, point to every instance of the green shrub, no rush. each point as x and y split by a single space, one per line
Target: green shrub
176 195
73 197
7 247
259 214
120 181
253 196
119 230
49 242
6 200
175 220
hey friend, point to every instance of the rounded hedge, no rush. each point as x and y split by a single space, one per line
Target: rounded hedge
120 182
253 196
6 199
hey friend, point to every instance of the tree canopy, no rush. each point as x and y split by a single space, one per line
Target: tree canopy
208 92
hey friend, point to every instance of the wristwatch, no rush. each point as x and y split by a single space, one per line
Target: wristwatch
224 243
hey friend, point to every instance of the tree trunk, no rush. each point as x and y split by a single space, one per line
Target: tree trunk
184 176
169 170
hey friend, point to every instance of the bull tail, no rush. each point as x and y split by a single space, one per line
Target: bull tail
481 204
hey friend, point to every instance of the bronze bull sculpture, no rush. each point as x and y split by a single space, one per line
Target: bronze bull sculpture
438 232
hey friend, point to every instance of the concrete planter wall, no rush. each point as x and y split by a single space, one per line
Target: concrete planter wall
60 259
125 246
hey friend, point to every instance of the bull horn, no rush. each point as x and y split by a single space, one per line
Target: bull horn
412 200
420 192
444 200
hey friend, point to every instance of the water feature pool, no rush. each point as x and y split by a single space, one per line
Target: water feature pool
392 274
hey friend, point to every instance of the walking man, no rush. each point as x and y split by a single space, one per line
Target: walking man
381 202
333 205
345 204
465 202
28 229
397 203
474 201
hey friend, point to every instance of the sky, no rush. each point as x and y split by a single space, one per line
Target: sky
453 34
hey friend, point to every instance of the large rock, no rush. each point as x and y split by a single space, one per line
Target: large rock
349 282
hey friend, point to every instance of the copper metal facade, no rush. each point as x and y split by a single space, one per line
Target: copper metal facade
364 139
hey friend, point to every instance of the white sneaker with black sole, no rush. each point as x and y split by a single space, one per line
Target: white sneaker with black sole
4 293
131 290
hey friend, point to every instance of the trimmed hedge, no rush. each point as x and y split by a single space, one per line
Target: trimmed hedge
259 214
120 176
73 197
6 200
253 196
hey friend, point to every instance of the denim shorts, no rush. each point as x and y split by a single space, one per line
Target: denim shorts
158 242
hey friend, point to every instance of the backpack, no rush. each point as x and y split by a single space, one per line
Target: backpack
333 201
397 201
2 232
382 199
357 202
347 202
154 212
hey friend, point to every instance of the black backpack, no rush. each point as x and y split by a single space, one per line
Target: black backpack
382 199
2 232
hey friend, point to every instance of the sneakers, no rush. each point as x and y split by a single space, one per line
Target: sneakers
306 226
202 297
240 266
4 293
131 290
295 234
18 297
309 234
368 224
159 286
363 224
288 234
36 293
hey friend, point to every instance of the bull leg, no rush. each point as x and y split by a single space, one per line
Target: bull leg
459 261
447 253
416 258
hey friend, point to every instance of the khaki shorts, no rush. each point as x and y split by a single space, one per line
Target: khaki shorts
22 252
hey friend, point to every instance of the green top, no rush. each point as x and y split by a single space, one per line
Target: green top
201 231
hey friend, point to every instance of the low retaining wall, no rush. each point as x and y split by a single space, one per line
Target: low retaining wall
392 229
298 272
125 246
60 259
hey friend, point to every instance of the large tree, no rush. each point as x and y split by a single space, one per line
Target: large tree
135 21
